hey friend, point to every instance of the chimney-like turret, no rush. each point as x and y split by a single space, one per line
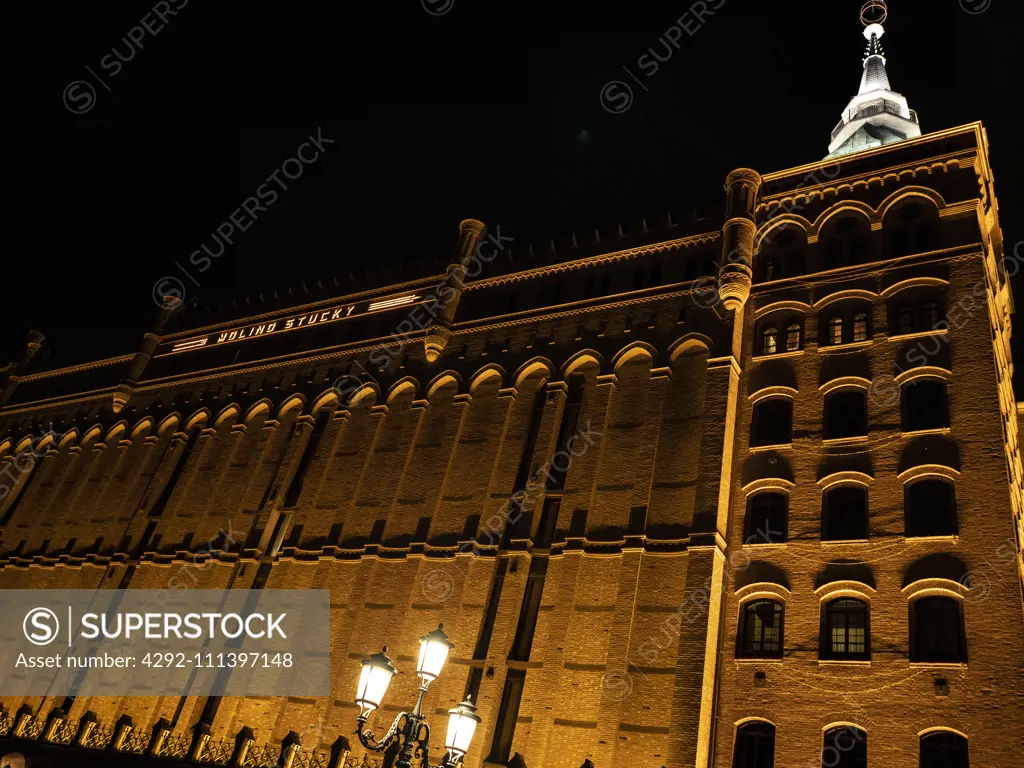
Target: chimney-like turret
450 291
734 278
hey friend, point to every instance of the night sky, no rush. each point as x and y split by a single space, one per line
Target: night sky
437 111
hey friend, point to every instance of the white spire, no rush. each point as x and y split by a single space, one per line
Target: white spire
877 115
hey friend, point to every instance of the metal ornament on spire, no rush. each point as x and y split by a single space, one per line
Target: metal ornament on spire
877 115
874 12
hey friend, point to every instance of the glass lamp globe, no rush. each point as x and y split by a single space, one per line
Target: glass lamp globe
374 679
462 722
434 648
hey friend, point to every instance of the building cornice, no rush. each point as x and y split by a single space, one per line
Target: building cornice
809 168
593 261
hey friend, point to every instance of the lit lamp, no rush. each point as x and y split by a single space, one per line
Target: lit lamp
462 722
374 680
410 729
434 648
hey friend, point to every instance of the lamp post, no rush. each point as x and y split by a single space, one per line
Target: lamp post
410 729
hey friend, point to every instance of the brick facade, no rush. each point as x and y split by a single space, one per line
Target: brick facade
375 455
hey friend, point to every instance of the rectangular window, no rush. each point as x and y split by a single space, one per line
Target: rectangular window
508 713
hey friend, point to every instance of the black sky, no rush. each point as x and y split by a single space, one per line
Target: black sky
491 111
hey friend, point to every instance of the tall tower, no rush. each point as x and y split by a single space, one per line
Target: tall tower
877 115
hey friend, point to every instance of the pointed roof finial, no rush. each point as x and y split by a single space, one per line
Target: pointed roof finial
877 115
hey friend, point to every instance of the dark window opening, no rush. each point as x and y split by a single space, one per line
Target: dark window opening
846 632
31 472
925 405
567 429
930 508
772 422
846 414
845 747
639 276
938 630
766 518
760 629
845 514
755 746
795 265
165 495
944 749
588 288
291 498
508 713
904 319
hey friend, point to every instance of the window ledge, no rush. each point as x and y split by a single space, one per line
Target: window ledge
939 664
758 659
830 441
777 544
920 432
775 447
919 334
953 537
843 542
777 355
826 348
844 662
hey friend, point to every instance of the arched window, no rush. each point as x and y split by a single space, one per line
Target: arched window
765 523
835 330
924 405
793 337
860 327
845 747
846 630
769 341
845 240
844 513
760 629
755 746
846 414
937 629
904 319
929 508
772 422
943 749
911 227
782 250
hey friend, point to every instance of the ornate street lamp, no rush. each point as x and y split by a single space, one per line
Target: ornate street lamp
410 729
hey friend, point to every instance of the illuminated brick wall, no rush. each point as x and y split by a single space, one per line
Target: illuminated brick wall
297 461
